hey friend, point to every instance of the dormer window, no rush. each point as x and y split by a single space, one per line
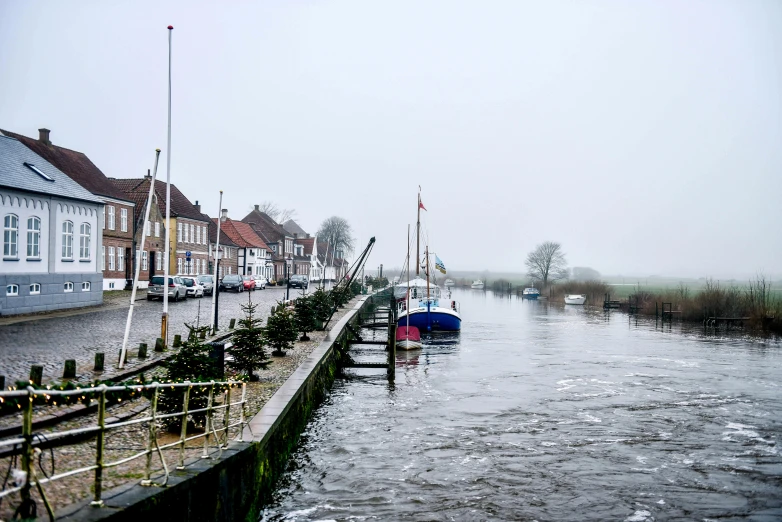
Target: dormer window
38 171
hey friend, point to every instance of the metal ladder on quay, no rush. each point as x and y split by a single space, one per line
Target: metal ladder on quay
382 317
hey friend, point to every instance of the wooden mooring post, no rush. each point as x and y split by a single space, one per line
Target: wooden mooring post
391 372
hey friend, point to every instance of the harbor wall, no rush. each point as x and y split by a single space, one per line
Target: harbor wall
237 485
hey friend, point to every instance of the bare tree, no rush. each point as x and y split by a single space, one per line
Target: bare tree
338 232
280 215
547 262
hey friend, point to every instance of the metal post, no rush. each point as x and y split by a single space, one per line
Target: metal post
152 437
391 372
27 451
242 414
226 417
183 432
216 282
205 455
101 439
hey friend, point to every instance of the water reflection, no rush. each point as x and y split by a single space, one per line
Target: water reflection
541 411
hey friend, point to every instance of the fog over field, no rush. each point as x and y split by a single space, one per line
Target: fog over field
643 136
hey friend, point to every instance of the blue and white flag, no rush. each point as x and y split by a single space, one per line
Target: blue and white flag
439 264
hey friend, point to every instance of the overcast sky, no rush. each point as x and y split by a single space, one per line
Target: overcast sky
645 136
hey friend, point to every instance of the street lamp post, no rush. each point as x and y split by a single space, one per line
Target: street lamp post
288 263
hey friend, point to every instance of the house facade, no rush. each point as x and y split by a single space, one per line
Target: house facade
116 220
252 251
51 236
228 251
279 240
188 232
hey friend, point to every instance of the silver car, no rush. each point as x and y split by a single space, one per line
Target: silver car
260 282
176 288
207 281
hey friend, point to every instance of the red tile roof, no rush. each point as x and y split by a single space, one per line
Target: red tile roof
242 234
76 165
180 205
308 244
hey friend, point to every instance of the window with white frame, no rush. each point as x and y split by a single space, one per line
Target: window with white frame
179 232
11 236
111 286
85 286
148 229
11 290
33 238
192 233
198 235
230 270
84 241
67 287
157 228
159 260
204 233
123 219
67 240
103 258
103 218
120 259
35 288
179 265
144 261
112 217
111 258
221 270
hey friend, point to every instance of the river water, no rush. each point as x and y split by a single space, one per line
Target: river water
539 411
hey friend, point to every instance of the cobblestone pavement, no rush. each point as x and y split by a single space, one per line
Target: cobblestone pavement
50 341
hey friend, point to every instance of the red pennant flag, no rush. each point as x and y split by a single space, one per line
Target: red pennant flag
421 204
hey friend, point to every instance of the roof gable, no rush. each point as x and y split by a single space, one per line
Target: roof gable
16 175
76 165
180 205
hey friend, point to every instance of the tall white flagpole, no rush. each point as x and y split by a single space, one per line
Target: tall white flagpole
138 263
170 234
216 283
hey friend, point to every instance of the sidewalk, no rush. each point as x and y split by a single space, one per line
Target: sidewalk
111 300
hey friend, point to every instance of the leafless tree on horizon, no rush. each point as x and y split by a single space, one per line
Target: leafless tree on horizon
547 262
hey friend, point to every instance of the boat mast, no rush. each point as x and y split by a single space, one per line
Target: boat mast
428 301
407 308
418 235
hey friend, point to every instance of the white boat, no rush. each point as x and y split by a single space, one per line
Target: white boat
530 293
478 284
449 282
575 299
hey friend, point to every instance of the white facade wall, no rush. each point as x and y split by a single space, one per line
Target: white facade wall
25 206
77 213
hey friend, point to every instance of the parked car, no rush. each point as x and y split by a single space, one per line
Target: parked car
232 282
299 281
176 288
249 282
260 282
194 288
207 282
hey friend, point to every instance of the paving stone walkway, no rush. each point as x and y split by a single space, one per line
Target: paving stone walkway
50 340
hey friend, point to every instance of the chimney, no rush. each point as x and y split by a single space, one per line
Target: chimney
148 176
43 136
197 206
258 208
224 215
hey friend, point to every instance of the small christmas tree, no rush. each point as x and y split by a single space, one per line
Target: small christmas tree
247 350
281 330
304 310
192 363
321 302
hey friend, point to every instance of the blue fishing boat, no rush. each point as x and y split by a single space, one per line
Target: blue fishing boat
420 302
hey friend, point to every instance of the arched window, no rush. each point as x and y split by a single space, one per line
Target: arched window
67 240
11 236
84 241
33 237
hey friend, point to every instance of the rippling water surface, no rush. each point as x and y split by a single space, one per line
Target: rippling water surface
547 412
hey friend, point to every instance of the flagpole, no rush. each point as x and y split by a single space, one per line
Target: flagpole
124 351
164 321
216 283
418 235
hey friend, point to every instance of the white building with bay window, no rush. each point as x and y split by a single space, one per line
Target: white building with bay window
51 251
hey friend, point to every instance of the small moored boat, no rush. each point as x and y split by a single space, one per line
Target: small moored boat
530 293
408 338
575 299
478 284
449 282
